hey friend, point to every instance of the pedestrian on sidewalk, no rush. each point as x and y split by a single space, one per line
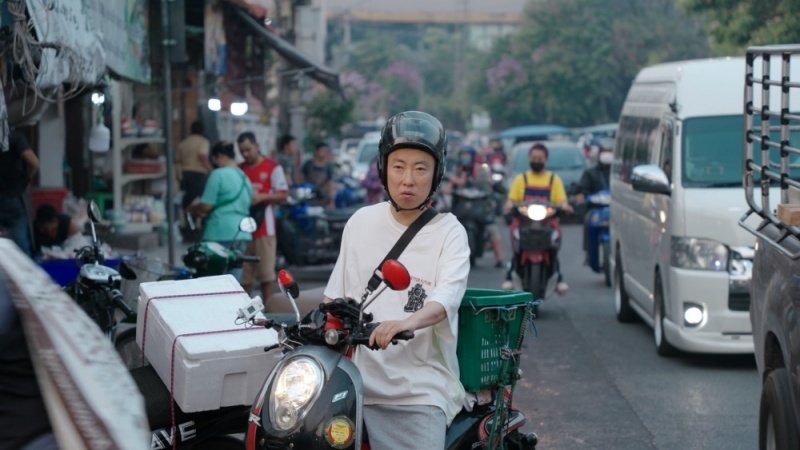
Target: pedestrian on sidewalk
225 201
288 158
18 165
191 160
269 190
319 172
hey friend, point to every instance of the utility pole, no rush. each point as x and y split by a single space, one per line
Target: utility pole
167 42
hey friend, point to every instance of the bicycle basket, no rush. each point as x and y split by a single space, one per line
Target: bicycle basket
488 320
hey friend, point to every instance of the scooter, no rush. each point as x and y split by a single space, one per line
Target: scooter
474 208
308 234
598 238
312 399
349 192
535 241
97 287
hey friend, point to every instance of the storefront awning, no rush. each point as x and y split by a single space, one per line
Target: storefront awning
318 72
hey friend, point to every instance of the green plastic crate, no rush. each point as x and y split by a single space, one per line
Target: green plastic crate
482 333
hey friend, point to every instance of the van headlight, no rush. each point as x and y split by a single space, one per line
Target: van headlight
699 254
295 388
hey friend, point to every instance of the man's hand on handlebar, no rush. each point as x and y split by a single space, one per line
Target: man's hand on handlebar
386 332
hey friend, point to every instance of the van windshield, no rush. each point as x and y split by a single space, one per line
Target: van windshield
712 151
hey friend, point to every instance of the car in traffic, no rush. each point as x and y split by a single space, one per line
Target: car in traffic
529 133
367 151
348 147
565 160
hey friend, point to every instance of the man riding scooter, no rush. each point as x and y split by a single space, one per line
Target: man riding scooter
415 383
536 185
594 180
476 220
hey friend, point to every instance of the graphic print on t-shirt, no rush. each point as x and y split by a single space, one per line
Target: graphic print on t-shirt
416 298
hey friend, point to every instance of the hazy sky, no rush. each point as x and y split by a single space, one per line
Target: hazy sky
485 8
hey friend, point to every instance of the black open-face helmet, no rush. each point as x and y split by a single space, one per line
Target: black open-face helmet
418 130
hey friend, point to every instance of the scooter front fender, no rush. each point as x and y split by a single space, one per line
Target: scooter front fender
335 416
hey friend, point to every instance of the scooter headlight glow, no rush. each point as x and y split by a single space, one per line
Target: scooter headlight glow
295 388
537 212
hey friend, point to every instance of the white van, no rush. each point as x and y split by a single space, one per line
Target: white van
680 260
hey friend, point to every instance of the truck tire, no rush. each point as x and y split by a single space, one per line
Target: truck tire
776 417
621 300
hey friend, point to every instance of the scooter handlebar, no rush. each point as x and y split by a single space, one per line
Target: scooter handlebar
363 338
119 302
403 335
249 258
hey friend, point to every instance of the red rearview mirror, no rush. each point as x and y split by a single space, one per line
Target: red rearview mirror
395 275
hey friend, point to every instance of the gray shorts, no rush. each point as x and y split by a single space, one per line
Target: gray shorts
392 427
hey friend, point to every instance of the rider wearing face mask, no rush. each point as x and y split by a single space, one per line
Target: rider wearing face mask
596 178
539 184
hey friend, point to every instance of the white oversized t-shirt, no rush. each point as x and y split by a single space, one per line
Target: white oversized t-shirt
423 370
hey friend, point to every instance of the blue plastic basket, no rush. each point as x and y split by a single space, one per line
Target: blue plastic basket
63 271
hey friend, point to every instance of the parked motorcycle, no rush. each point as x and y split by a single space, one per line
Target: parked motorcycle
474 208
308 234
598 238
312 399
97 287
349 192
535 241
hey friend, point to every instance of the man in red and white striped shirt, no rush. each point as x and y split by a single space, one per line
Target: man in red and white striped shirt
269 189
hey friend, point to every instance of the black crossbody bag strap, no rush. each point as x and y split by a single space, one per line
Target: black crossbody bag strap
401 244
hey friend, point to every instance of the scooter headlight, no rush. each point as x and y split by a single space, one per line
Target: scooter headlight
295 388
537 212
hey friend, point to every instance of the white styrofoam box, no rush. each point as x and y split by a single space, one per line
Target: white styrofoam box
223 368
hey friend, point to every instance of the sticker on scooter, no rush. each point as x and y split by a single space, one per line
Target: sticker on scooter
340 432
163 438
339 396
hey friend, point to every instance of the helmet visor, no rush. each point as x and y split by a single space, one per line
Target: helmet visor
416 133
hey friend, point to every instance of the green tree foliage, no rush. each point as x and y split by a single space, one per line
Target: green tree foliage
413 67
326 114
735 24
572 61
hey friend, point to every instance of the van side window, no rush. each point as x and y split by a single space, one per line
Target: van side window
666 149
647 141
628 128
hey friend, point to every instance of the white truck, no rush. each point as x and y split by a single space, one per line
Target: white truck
771 159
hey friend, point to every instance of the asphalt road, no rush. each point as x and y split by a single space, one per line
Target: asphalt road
590 382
